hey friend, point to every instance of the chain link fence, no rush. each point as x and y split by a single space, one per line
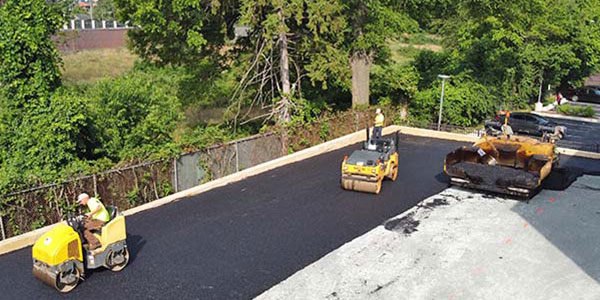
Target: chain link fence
222 160
131 186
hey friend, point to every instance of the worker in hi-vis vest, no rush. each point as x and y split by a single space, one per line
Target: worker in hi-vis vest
379 121
96 218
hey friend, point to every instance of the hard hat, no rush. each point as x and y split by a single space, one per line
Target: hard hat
378 111
82 196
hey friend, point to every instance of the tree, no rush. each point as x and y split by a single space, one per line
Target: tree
104 10
180 32
29 61
370 24
41 126
519 45
285 35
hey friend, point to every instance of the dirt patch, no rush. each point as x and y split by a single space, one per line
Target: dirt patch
406 224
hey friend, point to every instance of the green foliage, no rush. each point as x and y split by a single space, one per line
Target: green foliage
514 45
430 64
48 140
396 82
466 103
578 111
371 23
420 38
204 136
29 61
136 115
177 32
307 112
104 10
314 31
324 131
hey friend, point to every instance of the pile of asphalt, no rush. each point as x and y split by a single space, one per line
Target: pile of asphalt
494 175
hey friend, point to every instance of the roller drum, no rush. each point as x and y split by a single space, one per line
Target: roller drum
373 187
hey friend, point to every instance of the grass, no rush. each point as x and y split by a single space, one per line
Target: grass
421 39
577 111
404 50
91 65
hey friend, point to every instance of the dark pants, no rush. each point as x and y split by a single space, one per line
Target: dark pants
92 224
377 132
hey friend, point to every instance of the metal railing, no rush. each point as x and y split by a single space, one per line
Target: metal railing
90 24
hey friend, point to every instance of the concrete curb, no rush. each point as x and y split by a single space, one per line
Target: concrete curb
29 238
557 116
437 134
578 153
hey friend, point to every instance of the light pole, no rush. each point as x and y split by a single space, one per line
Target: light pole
443 77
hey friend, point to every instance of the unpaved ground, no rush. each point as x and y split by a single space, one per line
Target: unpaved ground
463 245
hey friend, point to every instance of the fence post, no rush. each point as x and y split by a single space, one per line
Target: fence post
2 227
237 157
95 185
175 180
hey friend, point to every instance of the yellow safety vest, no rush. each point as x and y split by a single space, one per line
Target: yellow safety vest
379 120
101 215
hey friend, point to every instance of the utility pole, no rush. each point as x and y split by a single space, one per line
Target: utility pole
91 10
443 77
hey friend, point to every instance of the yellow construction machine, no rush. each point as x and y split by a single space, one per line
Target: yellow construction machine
366 169
61 256
512 165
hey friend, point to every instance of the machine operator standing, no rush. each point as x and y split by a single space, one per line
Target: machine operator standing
96 218
379 121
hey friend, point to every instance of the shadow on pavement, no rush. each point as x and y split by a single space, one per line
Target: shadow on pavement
442 178
135 244
569 219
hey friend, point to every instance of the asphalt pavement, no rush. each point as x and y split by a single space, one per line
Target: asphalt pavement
579 132
236 241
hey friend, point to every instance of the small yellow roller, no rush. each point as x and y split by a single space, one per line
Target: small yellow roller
59 255
365 169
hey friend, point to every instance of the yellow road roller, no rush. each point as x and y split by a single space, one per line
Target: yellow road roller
61 255
366 168
511 165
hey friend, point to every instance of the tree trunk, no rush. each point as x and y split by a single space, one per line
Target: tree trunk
284 73
284 70
361 69
404 111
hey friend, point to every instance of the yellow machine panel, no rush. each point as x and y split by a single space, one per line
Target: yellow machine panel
113 232
58 245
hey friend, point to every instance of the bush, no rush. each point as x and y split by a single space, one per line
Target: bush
395 82
49 139
466 103
579 111
136 115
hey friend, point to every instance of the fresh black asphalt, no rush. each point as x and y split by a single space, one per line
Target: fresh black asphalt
579 132
236 241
